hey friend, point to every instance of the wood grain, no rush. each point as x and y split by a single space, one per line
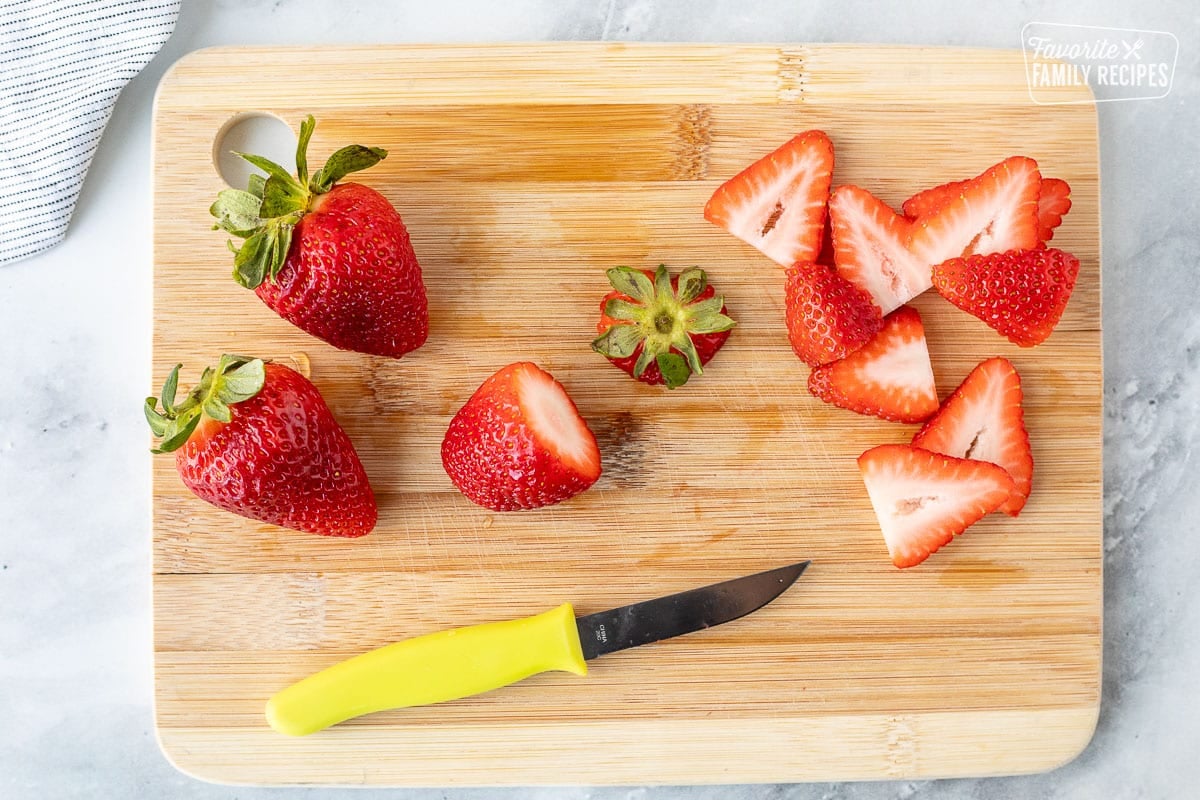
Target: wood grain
523 171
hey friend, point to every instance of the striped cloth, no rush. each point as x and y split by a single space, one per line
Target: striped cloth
62 65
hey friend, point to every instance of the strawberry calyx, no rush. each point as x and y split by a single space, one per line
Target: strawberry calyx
265 213
659 315
235 378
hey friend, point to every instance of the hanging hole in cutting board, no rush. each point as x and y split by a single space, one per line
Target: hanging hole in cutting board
252 132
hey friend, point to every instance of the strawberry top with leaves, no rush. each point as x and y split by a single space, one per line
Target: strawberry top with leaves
658 328
258 440
332 258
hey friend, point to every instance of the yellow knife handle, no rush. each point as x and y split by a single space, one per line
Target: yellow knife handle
433 668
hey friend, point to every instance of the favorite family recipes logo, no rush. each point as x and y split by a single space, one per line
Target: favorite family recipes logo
1116 63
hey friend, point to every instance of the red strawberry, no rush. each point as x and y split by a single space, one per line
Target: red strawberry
257 439
1020 293
520 443
777 204
1054 201
870 245
925 202
334 259
983 420
993 212
924 499
827 316
889 377
661 329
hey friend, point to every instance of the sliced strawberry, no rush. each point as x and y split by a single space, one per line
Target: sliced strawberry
777 204
982 420
925 202
924 499
1020 293
870 246
827 316
889 377
994 212
1054 201
520 443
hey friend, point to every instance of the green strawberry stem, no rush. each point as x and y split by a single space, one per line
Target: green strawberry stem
236 378
661 318
265 213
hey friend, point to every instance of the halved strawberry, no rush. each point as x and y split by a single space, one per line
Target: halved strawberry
924 499
889 377
993 212
925 202
1054 201
1020 293
870 247
520 443
777 204
827 316
982 420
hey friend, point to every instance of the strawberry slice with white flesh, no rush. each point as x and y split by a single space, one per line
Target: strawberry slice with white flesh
870 248
889 377
993 212
777 204
924 499
983 420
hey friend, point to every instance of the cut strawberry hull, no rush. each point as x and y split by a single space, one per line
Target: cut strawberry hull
983 420
922 499
777 204
890 377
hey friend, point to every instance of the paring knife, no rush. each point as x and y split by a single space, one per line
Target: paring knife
451 664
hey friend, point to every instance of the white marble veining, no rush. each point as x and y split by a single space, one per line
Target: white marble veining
75 672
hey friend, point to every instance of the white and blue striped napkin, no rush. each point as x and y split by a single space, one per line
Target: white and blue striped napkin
62 65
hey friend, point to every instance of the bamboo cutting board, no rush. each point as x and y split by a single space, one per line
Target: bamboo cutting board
523 172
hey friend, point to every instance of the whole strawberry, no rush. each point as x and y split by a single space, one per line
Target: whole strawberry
334 259
658 328
257 439
519 442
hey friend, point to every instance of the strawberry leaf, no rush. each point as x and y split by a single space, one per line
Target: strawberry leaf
158 423
352 158
243 382
256 183
662 281
674 369
691 283
266 165
214 408
250 263
619 341
685 346
177 435
282 196
306 131
623 309
236 212
710 323
631 282
170 389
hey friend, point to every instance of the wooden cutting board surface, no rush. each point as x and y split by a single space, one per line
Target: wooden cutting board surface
523 172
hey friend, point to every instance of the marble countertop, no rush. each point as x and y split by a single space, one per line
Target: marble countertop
75 333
